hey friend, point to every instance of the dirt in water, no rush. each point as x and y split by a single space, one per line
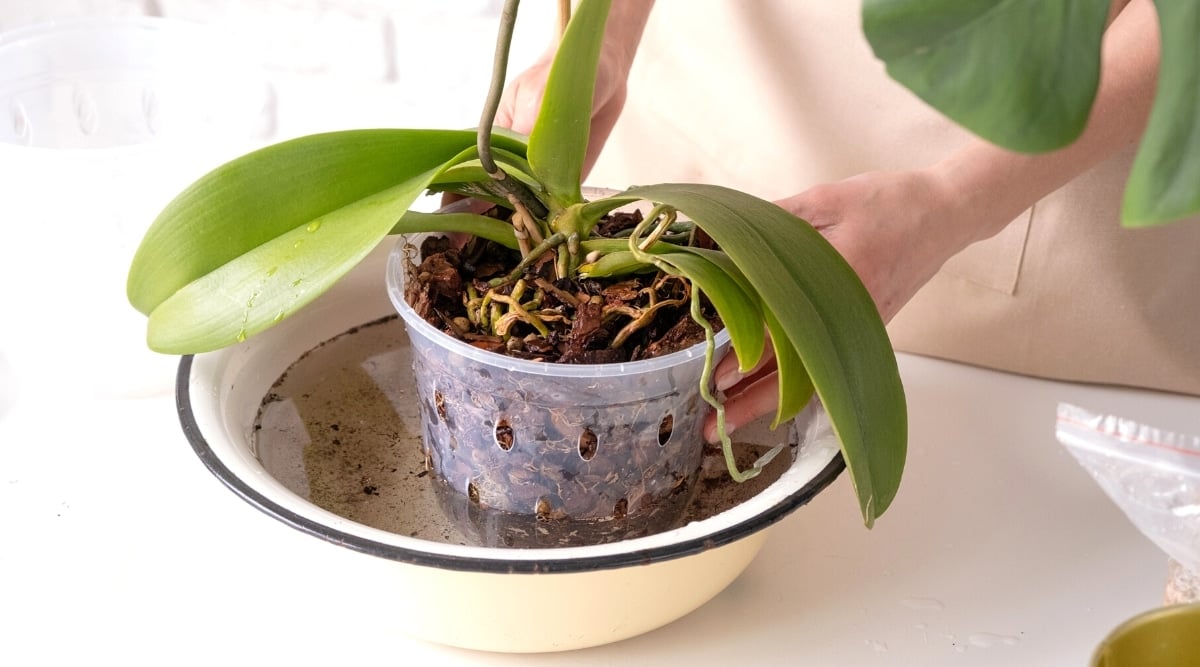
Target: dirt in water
341 428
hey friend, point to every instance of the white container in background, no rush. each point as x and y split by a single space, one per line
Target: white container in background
102 122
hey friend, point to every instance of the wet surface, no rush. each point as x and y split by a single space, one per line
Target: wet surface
341 428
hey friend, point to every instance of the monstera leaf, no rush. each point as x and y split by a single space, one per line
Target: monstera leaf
1024 73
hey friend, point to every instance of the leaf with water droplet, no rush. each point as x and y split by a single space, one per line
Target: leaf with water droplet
213 245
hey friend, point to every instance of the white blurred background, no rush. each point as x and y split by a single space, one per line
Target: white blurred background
216 79
343 63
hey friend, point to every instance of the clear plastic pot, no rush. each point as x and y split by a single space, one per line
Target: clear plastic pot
608 451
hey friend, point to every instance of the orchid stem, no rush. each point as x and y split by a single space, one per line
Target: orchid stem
564 16
509 186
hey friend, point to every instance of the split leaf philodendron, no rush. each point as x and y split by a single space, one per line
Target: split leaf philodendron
261 236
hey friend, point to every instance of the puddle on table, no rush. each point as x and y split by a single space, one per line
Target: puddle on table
342 428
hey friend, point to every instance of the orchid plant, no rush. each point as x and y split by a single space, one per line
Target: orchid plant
259 237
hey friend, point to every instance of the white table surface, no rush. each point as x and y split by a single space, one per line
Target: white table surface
118 546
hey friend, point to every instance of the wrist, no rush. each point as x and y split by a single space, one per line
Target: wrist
623 33
980 186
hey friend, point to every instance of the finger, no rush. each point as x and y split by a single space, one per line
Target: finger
727 373
755 400
456 203
519 110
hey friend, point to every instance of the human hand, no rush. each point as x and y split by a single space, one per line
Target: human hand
895 229
522 99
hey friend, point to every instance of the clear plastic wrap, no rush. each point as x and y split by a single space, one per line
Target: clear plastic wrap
1153 476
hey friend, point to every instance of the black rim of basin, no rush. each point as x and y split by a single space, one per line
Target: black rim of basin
727 535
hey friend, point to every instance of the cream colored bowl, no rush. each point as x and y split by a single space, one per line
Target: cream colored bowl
567 598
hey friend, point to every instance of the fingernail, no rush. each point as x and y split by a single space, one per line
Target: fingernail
710 432
728 379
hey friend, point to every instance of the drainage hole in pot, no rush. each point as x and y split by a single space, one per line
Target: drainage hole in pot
664 429
440 403
587 444
549 508
504 435
621 509
472 492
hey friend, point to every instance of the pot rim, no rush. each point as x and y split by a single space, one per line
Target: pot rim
395 289
546 560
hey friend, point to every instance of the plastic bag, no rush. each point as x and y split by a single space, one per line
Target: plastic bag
1152 475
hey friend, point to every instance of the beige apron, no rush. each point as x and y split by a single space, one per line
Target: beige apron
772 97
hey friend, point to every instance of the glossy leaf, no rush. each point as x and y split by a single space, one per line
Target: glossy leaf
1020 73
262 286
826 314
732 295
1165 182
789 368
739 310
257 237
558 142
795 385
613 264
415 222
259 196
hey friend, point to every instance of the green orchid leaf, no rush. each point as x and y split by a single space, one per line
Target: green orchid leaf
794 380
738 308
731 294
612 264
825 314
473 170
260 236
262 195
1020 73
753 354
262 286
559 140
1164 184
509 137
592 211
472 174
414 222
795 385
